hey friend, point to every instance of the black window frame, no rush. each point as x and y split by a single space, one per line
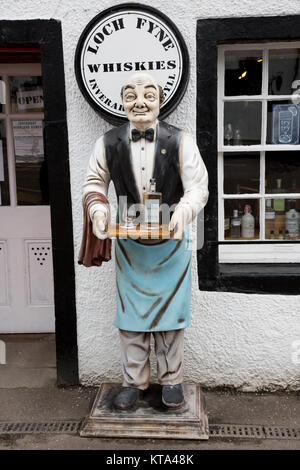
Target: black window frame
256 278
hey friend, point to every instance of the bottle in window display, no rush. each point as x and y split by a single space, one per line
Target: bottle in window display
287 235
280 235
279 203
237 137
292 220
269 219
235 231
272 235
248 223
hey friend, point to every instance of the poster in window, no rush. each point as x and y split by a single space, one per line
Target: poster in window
285 124
30 100
28 140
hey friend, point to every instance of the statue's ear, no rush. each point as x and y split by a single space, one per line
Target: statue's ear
161 96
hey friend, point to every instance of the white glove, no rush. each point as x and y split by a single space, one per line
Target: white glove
180 220
99 224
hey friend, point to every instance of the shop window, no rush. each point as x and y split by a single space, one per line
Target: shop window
248 132
259 193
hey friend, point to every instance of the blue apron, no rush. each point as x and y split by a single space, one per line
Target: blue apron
153 285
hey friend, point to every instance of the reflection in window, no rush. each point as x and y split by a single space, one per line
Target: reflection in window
242 123
241 173
4 182
26 94
241 219
31 166
243 73
283 71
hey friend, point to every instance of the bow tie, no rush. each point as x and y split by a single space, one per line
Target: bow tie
137 135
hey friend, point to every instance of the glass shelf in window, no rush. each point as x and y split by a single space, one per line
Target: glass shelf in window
284 71
283 172
4 181
236 225
241 173
242 123
243 73
26 94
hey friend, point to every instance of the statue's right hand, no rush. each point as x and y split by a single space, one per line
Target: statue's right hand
99 224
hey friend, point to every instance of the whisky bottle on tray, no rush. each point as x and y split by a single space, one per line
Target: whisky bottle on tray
152 206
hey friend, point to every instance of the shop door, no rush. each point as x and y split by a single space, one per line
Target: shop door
26 270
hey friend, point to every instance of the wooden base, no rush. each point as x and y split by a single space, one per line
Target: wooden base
116 231
149 418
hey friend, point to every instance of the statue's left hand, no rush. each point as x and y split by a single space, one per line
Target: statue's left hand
99 224
179 221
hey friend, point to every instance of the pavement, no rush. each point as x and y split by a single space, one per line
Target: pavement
28 393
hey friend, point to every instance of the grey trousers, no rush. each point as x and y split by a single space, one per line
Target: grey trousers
135 353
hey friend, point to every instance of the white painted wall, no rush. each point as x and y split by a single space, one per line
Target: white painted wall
237 340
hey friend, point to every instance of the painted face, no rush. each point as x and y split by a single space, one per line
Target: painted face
141 100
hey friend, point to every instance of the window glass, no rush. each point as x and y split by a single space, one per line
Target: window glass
283 123
282 218
284 71
26 94
31 165
241 219
283 172
4 182
243 73
241 173
242 123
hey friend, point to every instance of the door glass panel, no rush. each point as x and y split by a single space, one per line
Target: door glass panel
241 173
4 182
31 165
26 94
243 73
284 71
242 123
241 219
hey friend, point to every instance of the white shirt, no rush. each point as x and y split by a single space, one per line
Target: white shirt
193 172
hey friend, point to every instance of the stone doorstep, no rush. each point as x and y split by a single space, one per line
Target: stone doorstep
149 418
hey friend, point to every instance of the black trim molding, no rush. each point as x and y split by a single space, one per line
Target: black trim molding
214 276
48 35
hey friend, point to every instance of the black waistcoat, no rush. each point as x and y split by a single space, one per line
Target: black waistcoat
166 166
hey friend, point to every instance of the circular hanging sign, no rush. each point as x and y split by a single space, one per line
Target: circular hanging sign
125 39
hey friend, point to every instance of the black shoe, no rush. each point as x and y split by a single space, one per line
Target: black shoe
172 395
126 398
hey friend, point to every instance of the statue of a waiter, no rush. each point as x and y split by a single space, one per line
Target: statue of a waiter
153 277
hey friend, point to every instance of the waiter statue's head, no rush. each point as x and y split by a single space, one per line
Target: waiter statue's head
142 98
